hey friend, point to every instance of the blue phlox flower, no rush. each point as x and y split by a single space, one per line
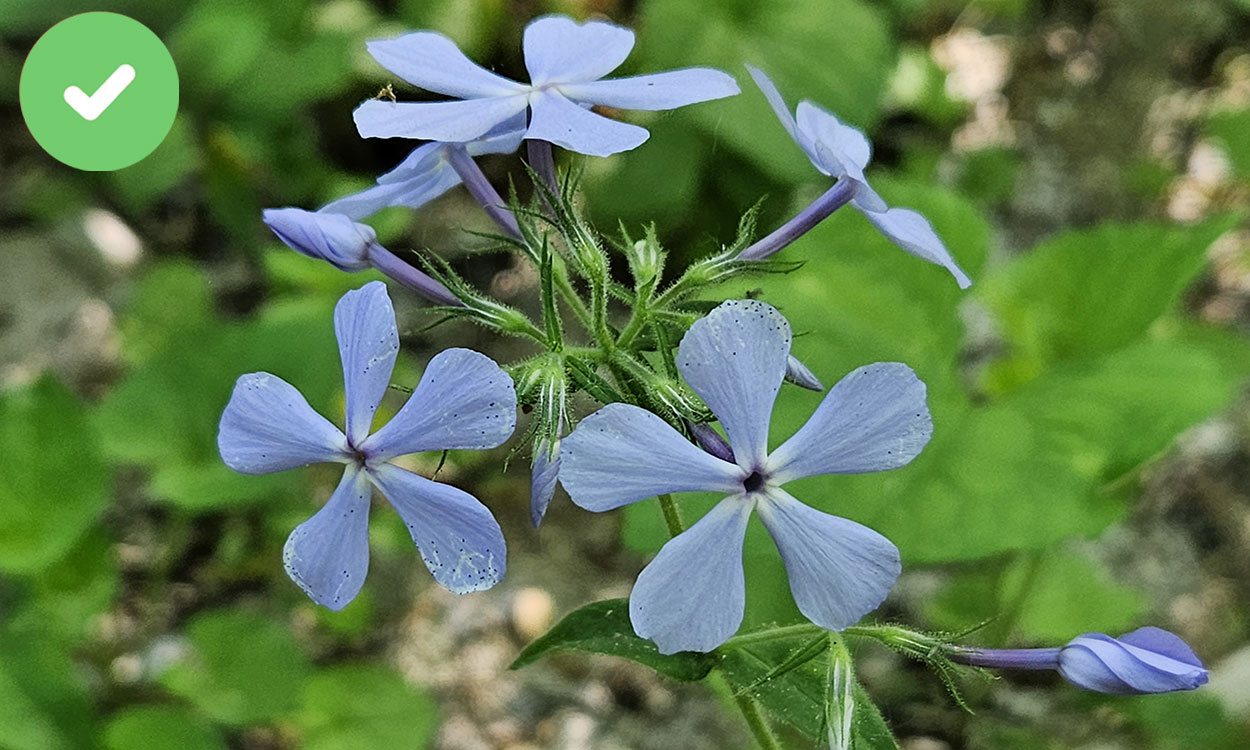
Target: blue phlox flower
1147 660
463 401
692 595
843 152
333 237
426 173
566 62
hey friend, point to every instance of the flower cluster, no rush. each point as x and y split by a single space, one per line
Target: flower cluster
666 377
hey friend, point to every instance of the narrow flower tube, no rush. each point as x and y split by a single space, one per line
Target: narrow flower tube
482 191
349 246
1147 660
820 209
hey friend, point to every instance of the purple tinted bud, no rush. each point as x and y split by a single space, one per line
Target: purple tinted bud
710 440
1147 660
546 470
330 237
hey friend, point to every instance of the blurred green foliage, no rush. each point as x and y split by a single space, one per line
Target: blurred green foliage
114 501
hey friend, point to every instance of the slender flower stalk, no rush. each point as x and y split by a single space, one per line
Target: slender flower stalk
482 191
413 278
820 209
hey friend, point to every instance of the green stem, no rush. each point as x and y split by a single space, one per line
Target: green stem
636 321
755 720
672 515
571 298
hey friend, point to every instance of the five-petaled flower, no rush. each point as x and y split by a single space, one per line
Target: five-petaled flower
842 152
463 401
565 60
692 595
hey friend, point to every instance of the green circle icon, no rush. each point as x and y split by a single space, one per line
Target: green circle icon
99 91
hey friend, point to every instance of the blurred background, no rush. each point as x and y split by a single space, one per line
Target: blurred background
1086 161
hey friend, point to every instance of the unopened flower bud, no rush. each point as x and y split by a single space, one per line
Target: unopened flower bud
331 237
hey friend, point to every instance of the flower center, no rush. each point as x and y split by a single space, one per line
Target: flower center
754 482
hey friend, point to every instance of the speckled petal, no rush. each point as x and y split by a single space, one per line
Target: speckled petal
328 555
459 539
656 91
874 419
692 595
451 122
464 401
839 570
622 454
268 426
735 359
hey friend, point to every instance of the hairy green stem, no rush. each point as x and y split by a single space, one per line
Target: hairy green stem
755 720
672 515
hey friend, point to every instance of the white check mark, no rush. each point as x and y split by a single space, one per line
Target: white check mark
91 107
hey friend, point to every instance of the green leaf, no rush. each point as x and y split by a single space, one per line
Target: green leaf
1232 130
364 705
870 732
796 697
787 40
158 727
604 628
44 701
55 482
242 669
1087 292
62 601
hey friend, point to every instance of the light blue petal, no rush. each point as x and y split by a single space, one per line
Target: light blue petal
412 193
778 104
874 419
434 62
622 454
504 138
328 555
867 199
735 359
848 146
569 126
670 90
913 232
543 474
560 50
459 539
422 161
450 122
268 426
364 324
692 595
839 571
464 401
326 236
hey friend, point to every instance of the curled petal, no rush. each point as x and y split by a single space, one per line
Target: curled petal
1160 641
543 475
560 50
459 539
847 146
839 570
913 232
331 237
328 555
411 193
364 324
434 62
669 90
1098 662
450 122
569 126
268 426
622 454
464 401
692 595
874 419
735 359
